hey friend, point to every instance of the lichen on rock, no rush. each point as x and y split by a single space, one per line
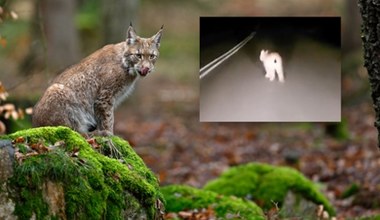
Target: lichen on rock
181 198
60 174
266 185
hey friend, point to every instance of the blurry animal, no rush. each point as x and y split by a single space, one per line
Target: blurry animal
85 95
273 64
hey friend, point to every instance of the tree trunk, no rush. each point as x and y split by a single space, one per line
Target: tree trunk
117 14
371 42
351 29
62 39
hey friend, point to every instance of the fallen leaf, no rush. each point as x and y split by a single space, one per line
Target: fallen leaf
3 43
19 140
40 148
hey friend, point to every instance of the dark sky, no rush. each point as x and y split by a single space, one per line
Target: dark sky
214 30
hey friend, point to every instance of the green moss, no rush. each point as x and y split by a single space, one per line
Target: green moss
95 186
31 202
266 184
375 217
350 191
339 130
181 198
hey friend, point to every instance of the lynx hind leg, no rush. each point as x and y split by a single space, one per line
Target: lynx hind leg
280 74
281 77
272 78
50 112
269 71
272 74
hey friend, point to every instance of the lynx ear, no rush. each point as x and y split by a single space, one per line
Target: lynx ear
131 35
157 37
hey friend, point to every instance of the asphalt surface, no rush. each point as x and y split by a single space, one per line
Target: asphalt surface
238 91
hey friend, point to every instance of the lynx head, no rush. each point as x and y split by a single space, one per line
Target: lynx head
141 54
263 54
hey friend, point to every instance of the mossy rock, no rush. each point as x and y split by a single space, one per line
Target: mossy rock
92 185
375 217
266 185
180 198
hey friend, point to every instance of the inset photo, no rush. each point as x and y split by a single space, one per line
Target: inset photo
270 69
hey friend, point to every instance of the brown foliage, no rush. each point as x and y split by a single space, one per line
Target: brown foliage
9 110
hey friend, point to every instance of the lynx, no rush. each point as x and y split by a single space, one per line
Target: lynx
85 95
272 64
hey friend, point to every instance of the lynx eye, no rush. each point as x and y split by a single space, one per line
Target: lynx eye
138 55
152 56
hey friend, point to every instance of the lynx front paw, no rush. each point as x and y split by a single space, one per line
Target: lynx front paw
103 133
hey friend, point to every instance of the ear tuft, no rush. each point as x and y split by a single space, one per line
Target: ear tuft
157 37
131 35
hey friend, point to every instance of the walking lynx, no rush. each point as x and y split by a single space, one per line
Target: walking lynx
85 95
272 64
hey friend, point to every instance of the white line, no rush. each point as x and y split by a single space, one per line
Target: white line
212 65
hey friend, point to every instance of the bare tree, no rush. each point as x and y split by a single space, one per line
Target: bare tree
371 42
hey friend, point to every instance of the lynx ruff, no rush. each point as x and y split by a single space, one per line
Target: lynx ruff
85 95
273 64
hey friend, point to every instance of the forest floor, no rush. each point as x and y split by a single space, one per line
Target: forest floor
165 131
161 118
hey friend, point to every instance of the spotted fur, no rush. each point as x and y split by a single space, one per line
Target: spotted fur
85 95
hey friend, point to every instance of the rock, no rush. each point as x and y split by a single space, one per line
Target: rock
59 174
267 185
182 198
7 159
7 205
54 195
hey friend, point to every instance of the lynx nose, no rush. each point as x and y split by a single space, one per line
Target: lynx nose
144 71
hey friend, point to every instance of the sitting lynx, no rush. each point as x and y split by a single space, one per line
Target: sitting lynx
85 95
272 64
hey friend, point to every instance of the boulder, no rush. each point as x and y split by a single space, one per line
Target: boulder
182 198
54 172
268 185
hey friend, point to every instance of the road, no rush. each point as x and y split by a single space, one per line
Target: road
238 91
